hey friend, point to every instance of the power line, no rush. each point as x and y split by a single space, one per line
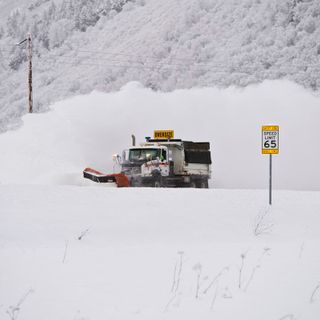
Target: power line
198 66
228 68
110 65
138 63
216 71
133 55
161 66
143 58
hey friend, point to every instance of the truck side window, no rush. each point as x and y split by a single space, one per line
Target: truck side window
163 156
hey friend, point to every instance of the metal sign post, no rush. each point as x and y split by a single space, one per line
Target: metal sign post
270 179
270 145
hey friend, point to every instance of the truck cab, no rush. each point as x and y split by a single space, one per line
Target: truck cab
174 163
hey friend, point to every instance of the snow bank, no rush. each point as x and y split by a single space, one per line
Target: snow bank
54 147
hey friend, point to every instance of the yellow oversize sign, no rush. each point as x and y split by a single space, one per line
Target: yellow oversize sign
163 134
270 139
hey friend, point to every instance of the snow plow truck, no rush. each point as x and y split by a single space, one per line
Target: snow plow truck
160 162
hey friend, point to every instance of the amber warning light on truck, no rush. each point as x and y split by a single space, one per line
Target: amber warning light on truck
163 134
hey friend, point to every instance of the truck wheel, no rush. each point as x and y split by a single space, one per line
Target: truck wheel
204 184
157 184
193 184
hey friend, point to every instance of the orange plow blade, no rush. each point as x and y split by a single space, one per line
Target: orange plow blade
119 178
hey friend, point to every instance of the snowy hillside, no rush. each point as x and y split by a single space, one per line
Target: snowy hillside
85 45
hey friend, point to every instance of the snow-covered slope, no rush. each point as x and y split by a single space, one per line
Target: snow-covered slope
6 7
54 147
163 44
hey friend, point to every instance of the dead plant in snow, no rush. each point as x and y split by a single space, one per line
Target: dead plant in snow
198 269
261 224
314 293
83 233
177 273
176 281
288 317
241 283
13 311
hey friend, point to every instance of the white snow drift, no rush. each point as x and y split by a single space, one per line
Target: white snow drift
56 146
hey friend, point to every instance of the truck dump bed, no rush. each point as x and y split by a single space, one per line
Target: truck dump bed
197 152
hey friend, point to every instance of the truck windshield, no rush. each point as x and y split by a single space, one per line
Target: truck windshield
143 154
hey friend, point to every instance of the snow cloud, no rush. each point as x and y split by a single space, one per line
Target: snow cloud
86 130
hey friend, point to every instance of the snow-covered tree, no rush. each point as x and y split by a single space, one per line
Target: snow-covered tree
59 32
52 12
1 32
17 58
13 22
117 5
87 17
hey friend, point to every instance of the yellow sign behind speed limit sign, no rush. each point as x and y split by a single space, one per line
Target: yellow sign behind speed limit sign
270 139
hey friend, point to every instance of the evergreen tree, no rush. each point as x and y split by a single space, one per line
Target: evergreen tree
13 22
1 32
52 12
18 57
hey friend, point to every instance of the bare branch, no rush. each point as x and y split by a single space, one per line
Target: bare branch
205 291
198 269
13 311
180 253
287 317
83 233
251 277
65 251
215 296
314 292
174 277
261 226
243 256
301 249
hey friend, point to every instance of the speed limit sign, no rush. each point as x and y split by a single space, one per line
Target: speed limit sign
270 139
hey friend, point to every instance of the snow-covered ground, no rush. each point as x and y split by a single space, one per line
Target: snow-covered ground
158 254
74 250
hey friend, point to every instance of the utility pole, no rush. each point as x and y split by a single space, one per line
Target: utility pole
29 48
30 73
